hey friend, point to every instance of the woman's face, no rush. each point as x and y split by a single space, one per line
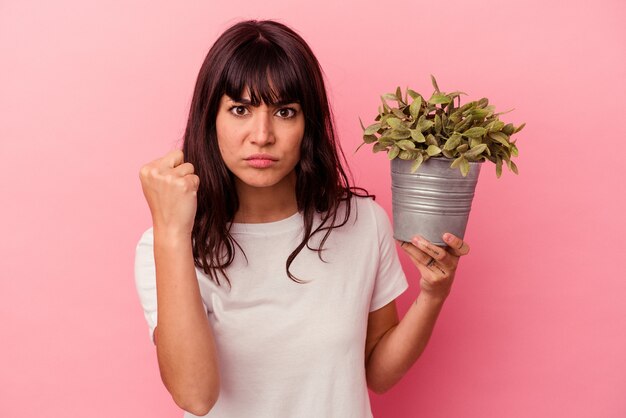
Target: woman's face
260 145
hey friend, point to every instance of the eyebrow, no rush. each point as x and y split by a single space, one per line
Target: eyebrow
281 102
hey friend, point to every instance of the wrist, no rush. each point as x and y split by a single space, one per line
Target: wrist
433 299
169 236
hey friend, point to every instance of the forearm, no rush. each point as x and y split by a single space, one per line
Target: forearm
400 348
186 349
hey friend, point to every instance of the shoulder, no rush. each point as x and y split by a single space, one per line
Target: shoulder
366 215
369 209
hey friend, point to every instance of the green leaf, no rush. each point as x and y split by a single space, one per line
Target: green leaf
368 139
416 164
501 138
474 142
519 128
455 94
437 124
361 122
404 155
463 124
462 148
415 107
447 154
425 125
514 151
401 134
498 167
475 132
405 144
359 147
390 96
465 167
417 135
398 113
513 167
508 129
495 126
395 123
475 152
372 129
379 147
444 121
386 107
456 163
393 152
414 95
439 98
433 150
399 95
452 142
479 113
435 86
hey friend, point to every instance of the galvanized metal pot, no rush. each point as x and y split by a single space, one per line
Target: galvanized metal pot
433 200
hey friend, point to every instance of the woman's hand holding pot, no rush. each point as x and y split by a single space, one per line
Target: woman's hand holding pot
436 265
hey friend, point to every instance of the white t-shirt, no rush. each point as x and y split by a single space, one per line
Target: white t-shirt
289 350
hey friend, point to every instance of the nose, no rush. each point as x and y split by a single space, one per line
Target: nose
262 128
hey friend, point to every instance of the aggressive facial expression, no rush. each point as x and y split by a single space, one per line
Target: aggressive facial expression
260 145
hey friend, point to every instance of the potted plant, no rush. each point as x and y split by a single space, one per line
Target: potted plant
436 148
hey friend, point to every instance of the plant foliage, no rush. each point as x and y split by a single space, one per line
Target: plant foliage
419 129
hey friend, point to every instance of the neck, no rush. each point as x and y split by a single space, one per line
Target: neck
266 204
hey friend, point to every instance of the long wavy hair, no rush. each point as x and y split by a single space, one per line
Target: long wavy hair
260 55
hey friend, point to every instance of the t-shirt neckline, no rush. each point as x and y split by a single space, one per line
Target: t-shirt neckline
288 224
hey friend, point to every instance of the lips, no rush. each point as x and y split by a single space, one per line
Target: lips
261 157
261 160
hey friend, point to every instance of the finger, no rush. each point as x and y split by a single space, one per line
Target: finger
184 169
427 265
173 158
429 248
443 258
195 180
457 246
415 253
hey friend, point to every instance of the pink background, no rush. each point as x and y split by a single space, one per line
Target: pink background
89 91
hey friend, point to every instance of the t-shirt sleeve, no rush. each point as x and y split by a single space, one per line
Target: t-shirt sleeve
145 279
390 278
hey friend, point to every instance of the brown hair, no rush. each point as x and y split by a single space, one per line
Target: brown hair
251 54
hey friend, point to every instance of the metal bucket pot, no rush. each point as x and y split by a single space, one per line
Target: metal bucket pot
433 200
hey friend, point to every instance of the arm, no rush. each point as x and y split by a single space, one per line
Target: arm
185 345
398 345
392 347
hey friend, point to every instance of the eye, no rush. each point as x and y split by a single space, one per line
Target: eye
238 110
287 112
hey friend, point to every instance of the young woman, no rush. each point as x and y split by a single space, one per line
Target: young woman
273 280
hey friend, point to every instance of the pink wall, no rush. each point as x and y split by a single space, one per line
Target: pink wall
536 323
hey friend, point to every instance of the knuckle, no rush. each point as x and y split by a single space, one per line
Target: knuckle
439 255
153 172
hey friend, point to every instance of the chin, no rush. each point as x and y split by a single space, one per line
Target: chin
258 182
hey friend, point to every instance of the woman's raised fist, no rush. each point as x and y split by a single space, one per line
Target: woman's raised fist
170 188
